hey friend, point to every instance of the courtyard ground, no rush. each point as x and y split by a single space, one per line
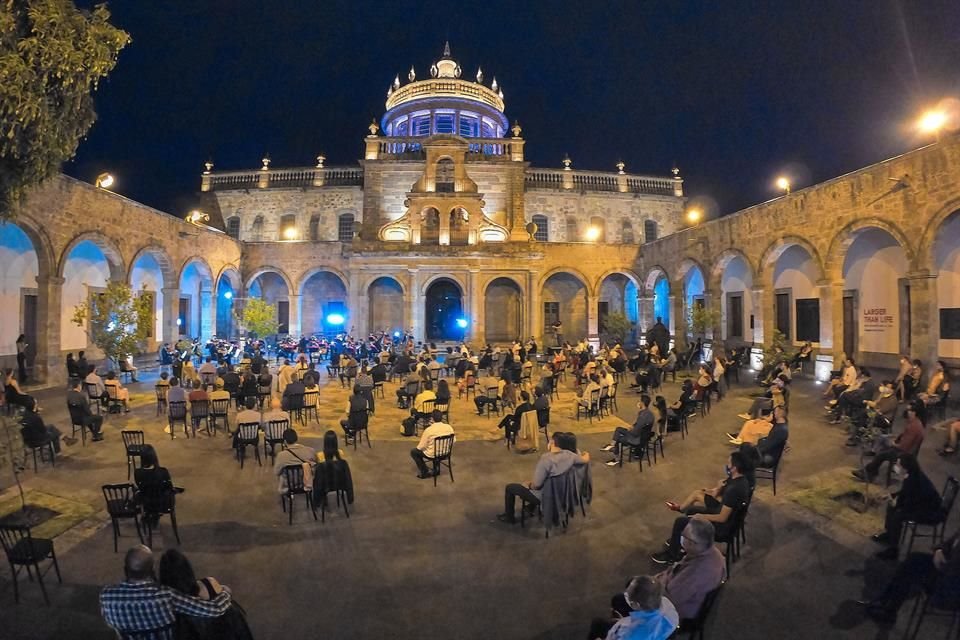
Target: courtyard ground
415 560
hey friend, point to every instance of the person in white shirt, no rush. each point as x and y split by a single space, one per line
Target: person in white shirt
284 374
426 448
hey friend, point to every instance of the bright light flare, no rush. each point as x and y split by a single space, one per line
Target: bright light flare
105 180
228 295
290 233
592 234
335 319
931 122
462 323
783 183
694 216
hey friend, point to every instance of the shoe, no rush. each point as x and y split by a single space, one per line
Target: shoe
834 421
744 416
424 476
97 438
612 463
735 441
881 538
946 451
890 553
852 442
860 474
166 429
609 447
664 557
503 517
732 436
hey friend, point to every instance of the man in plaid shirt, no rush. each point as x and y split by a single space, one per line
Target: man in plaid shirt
140 604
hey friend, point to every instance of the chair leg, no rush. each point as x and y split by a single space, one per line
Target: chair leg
346 509
136 523
313 509
56 565
116 533
290 512
43 589
173 521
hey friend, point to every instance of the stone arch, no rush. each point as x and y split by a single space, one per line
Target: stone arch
441 313
386 309
46 258
627 273
733 278
571 292
776 248
945 255
571 271
21 257
323 292
455 278
724 260
228 286
106 244
687 264
504 311
846 236
373 279
653 275
928 238
309 273
259 271
618 291
203 267
232 273
162 258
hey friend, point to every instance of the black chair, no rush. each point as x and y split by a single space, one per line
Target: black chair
310 405
347 377
444 408
770 471
199 412
293 477
695 627
161 392
133 442
93 395
637 450
248 435
77 423
938 523
543 422
423 417
263 396
731 535
941 405
358 422
331 477
295 406
442 456
177 413
158 499
554 386
273 436
122 504
219 410
938 600
378 389
25 551
591 409
494 402
470 386
44 446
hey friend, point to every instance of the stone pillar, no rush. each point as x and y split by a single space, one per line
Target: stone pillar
171 311
293 325
48 365
208 314
646 317
678 322
474 309
593 320
356 316
835 308
924 317
414 304
534 309
762 306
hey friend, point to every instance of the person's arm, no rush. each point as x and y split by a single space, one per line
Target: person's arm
191 606
424 441
718 518
539 475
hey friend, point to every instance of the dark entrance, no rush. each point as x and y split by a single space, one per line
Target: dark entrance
850 328
444 307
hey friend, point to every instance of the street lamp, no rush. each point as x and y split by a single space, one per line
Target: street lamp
592 234
196 217
932 122
104 180
783 183
290 233
694 216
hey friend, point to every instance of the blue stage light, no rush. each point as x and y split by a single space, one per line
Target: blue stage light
335 319
462 323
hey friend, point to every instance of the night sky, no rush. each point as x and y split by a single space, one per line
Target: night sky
732 92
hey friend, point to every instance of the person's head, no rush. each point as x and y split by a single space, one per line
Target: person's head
290 436
738 463
443 386
294 377
175 572
74 382
556 441
357 390
91 369
437 415
81 354
697 536
917 362
197 384
164 375
138 563
864 372
331 445
849 362
174 381
537 392
250 403
886 388
908 465
660 402
644 401
643 593
568 441
148 456
779 413
275 403
70 356
702 370
524 396
751 457
428 386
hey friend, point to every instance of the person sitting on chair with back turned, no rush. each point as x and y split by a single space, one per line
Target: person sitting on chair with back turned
651 615
555 462
426 448
511 422
715 505
78 403
917 500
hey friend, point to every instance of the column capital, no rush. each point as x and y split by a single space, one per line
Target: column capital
51 280
923 274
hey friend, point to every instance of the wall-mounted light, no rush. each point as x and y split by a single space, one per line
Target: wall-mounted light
104 181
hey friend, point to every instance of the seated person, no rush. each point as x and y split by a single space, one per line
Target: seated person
907 442
636 435
585 395
249 415
93 380
687 583
716 505
804 355
208 371
199 393
651 615
218 393
426 448
357 411
126 366
419 409
485 383
331 448
35 432
754 430
508 394
275 414
772 398
555 462
154 486
927 571
78 404
511 422
164 381
293 394
293 454
404 395
939 385
917 500
116 390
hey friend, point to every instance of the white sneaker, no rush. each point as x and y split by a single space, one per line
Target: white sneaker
166 429
609 447
612 463
744 416
736 441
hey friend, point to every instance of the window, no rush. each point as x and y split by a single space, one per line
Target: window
487 131
626 232
949 324
649 230
782 311
288 227
735 316
443 123
402 128
183 317
571 229
256 230
468 127
314 228
233 227
420 126
551 313
808 319
542 234
345 227
445 179
598 223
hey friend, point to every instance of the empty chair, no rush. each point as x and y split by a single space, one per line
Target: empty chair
294 486
543 421
26 552
122 504
248 435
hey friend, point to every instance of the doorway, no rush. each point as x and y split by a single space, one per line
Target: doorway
850 327
444 306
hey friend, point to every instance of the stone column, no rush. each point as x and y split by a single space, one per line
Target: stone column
762 306
48 365
171 311
208 314
924 316
678 322
414 304
534 309
293 325
835 308
474 309
356 317
646 317
593 320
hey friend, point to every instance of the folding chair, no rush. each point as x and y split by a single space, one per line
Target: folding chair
248 436
25 551
293 478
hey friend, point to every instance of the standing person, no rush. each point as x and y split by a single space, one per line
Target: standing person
22 358
139 604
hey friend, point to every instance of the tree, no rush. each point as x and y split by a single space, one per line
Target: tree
116 320
259 318
52 57
701 319
617 326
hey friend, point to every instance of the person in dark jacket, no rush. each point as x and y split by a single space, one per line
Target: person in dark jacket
642 426
79 406
917 499
34 431
511 422
772 444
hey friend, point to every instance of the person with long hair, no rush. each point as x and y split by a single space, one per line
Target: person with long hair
22 357
154 484
12 393
177 573
331 448
939 385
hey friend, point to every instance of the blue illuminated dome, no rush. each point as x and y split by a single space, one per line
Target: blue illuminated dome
445 103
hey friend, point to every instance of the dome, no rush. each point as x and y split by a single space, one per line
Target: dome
445 103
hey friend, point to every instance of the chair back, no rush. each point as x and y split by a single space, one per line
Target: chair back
330 476
411 388
543 417
132 439
177 410
76 417
113 391
293 476
17 543
594 398
492 392
697 623
443 408
208 378
156 497
199 409
91 390
310 398
274 430
428 406
161 392
613 390
295 401
220 407
249 431
443 447
120 498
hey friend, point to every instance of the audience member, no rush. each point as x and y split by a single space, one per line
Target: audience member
34 431
331 448
79 406
426 448
635 436
907 442
651 617
917 500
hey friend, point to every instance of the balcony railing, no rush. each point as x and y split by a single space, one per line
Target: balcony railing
297 177
562 180
411 148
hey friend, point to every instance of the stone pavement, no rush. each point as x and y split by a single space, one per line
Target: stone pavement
416 560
